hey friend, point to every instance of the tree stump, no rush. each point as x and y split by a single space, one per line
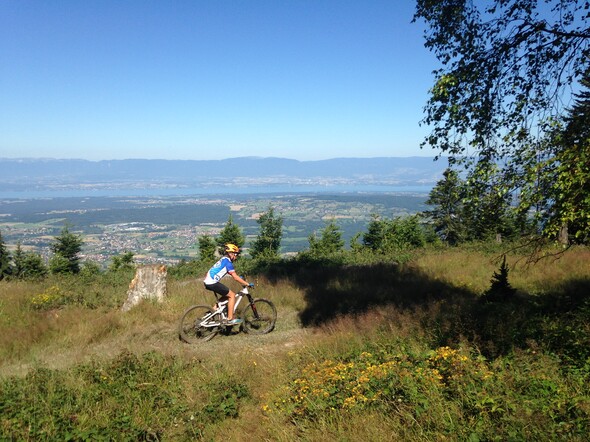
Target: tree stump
149 283
563 236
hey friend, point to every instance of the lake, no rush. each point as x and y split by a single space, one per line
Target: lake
228 190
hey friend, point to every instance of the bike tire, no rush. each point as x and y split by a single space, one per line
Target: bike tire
190 329
260 317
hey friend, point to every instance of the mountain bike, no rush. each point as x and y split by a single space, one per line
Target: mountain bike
202 322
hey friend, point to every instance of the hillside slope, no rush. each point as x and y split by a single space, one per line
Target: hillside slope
365 352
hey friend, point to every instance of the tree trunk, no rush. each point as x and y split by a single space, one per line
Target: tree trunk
149 283
563 237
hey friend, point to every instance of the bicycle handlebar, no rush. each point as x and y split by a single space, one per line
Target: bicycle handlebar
245 291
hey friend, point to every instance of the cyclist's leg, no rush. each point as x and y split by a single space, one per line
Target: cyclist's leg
231 302
225 295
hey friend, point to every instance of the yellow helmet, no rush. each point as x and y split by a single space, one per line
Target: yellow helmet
232 248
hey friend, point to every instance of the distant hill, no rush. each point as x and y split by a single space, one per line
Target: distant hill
21 173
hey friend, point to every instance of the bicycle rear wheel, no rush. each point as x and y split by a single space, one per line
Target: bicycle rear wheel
259 317
198 324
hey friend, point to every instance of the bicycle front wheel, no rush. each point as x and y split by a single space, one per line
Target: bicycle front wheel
198 323
259 316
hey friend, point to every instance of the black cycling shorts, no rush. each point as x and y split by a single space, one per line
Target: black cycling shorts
218 288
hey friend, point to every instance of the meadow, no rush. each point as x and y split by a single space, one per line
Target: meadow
378 351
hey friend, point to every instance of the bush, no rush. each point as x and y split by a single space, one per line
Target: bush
130 398
438 389
189 269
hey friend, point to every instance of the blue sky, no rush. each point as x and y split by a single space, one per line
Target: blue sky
300 79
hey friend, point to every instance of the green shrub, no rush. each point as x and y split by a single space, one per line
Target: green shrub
189 269
130 398
446 391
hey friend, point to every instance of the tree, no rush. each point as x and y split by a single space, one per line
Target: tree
402 233
373 237
232 234
66 247
18 260
487 205
508 65
33 266
27 265
472 209
355 245
60 265
387 235
446 198
329 242
206 248
5 266
571 194
500 290
268 242
122 262
90 269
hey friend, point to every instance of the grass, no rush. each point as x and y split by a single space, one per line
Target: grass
360 352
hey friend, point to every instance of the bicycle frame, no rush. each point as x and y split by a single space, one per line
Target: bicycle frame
221 308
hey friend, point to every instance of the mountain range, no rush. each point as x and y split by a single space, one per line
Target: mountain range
24 172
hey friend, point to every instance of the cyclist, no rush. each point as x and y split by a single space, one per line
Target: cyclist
221 268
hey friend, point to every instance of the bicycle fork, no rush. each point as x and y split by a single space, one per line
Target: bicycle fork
253 305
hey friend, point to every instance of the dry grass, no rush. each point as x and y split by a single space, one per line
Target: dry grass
61 337
461 268
66 336
473 270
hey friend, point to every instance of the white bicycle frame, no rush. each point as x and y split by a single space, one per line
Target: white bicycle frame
206 320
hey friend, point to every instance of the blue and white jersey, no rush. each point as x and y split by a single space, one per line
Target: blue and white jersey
219 270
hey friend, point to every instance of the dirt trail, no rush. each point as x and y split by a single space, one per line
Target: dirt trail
162 337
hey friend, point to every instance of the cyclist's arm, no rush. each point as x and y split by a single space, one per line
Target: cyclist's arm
237 278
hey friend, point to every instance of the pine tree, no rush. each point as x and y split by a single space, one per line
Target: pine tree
34 267
268 241
447 212
66 248
329 243
28 265
18 260
373 237
232 234
5 265
500 290
206 248
572 183
577 121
